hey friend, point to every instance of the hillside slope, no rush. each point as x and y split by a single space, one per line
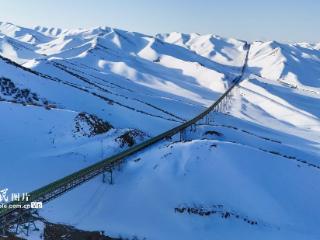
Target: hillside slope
252 173
71 97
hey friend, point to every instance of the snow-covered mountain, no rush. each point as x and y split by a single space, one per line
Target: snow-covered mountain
69 98
128 80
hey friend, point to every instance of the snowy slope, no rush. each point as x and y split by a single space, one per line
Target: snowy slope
222 50
296 65
49 77
252 173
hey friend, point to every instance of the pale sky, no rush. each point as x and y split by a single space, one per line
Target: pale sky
281 20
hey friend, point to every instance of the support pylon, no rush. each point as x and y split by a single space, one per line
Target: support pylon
25 221
107 176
